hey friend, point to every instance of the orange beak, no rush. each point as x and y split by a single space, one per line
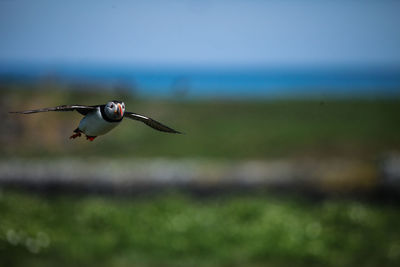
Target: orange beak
120 109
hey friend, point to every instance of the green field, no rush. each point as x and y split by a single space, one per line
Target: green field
213 128
174 229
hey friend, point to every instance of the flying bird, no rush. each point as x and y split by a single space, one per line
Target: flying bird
100 119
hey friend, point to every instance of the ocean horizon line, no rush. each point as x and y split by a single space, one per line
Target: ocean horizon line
265 81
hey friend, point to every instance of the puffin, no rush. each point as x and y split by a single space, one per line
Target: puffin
100 119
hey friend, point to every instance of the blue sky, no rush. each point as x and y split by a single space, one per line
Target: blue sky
201 33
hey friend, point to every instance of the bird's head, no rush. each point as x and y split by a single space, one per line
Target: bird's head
115 109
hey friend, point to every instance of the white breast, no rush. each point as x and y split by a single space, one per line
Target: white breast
94 125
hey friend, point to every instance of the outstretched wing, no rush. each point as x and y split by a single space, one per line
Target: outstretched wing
80 108
150 122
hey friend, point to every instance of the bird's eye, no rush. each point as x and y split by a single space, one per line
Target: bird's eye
111 106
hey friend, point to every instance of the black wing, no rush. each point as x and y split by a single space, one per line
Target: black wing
80 108
150 122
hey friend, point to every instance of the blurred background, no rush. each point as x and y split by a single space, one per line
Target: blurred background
291 151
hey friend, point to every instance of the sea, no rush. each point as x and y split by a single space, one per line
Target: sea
228 82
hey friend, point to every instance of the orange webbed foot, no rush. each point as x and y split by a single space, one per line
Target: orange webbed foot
90 138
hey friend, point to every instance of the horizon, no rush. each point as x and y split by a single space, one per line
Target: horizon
222 48
217 82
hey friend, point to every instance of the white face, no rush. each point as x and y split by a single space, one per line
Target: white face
115 110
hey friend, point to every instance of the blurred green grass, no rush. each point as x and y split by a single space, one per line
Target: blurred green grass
318 127
173 229
179 230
